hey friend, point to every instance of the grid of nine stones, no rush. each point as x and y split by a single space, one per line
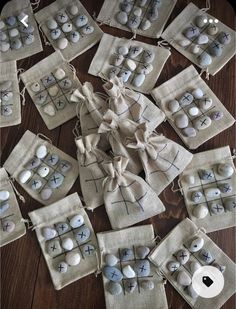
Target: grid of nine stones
204 184
124 263
17 25
211 39
123 68
145 9
52 169
71 19
6 105
7 216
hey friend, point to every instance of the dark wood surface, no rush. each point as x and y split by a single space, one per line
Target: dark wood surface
25 279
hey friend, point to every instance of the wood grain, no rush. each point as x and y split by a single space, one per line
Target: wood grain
25 278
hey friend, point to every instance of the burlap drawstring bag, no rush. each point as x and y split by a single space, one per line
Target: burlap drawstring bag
90 160
57 109
186 82
12 226
45 172
110 9
127 197
85 42
62 212
15 8
112 242
187 18
162 159
8 72
102 63
209 162
127 103
180 238
117 131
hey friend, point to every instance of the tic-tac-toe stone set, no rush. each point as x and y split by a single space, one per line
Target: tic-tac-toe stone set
117 140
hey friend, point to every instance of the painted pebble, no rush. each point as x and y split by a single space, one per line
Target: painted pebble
113 72
194 49
118 59
123 50
62 228
4 46
212 29
56 180
181 121
53 91
201 21
189 132
173 106
126 7
73 258
202 123
217 115
60 104
65 166
133 22
200 211
55 33
128 271
67 27
230 204
88 250
224 38
197 93
25 176
183 278
148 56
74 36
13 32
196 244
212 192
202 39
82 234
194 266
184 43
62 17
112 273
36 184
87 29
43 171
114 288
153 14
28 39
35 87
145 68
81 20
11 20
122 17
142 268
125 75
62 43
51 24
6 110
111 260
192 292
196 196
49 233
206 174
46 194
52 159
130 64
7 96
191 32
62 267
48 80
139 80
73 9
193 111
4 206
130 285
225 188
41 98
76 221
216 208
2 24
126 254
173 265
67 244
182 256
49 109
225 169
65 83
59 73
8 226
147 285
135 51
205 60
137 11
206 256
142 252
190 179
54 248
215 49
4 195
186 99
205 103
145 24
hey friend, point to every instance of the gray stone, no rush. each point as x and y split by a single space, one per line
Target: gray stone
230 204
135 51
126 254
111 260
192 292
82 234
206 175
205 60
224 38
16 44
74 37
183 278
122 17
73 258
137 11
62 43
35 87
73 9
67 244
6 110
13 32
196 244
212 192
181 121
145 24
52 159
200 211
126 7
36 184
62 17
54 248
65 166
201 21
62 228
225 188
46 193
7 96
28 39
4 46
128 271
186 99
3 36
191 32
125 75
48 80
212 29
189 132
62 267
55 33
56 180
112 273
5 85
130 285
206 256
202 123
88 250
60 104
217 115
25 176
194 266
215 49
173 266
139 80
205 103
118 59
49 233
41 152
142 268
134 22
173 106
217 208
145 68
114 288
147 285
43 171
51 24
76 221
153 13
183 256
81 20
65 83
4 206
113 72
88 29
196 196
225 169
148 56
142 252
202 39
8 226
11 20
123 50
67 27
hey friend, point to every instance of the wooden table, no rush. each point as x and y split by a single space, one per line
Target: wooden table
24 276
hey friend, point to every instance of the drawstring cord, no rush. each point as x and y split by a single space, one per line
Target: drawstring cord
44 37
21 197
208 6
179 187
29 224
72 68
163 44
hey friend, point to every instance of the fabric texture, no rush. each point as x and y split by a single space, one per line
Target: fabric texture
128 198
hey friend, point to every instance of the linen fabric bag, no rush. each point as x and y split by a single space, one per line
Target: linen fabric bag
112 242
110 9
217 115
187 18
128 198
90 160
180 238
117 131
218 214
12 226
162 159
11 106
127 103
45 172
89 33
29 46
57 107
62 212
103 64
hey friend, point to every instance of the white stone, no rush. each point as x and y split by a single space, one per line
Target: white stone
128 271
25 176
53 91
59 73
77 221
197 93
184 42
173 106
202 123
123 50
4 46
137 11
145 24
62 43
67 244
51 24
49 233
139 80
200 211
43 171
192 292
181 121
13 32
62 267
67 27
111 260
46 194
7 96
130 64
194 266
125 75
212 192
183 256
193 111
62 17
35 87
190 179
81 20
4 195
205 60
173 266
183 278
41 152
205 103
148 56
194 49
202 39
196 244
73 9
225 169
73 258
